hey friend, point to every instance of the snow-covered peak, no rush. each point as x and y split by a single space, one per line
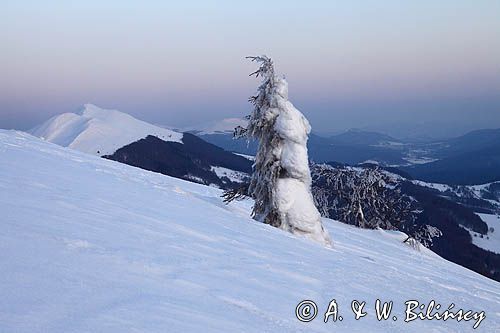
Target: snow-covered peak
93 111
99 131
223 126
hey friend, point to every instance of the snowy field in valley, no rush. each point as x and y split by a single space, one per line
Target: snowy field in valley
435 186
490 241
91 245
232 175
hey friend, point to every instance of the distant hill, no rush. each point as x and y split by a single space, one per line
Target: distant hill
470 159
352 147
99 131
193 160
118 136
479 140
473 158
360 137
337 149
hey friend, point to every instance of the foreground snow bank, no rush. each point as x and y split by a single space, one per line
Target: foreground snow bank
91 245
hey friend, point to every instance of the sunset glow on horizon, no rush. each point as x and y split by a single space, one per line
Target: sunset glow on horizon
348 63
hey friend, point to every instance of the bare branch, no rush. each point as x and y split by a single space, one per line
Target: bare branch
239 193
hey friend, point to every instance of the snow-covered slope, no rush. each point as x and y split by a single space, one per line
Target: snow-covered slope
223 126
91 245
483 195
99 131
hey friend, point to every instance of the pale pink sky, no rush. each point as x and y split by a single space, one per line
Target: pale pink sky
349 63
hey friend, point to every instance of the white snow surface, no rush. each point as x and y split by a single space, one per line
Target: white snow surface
99 131
92 245
232 175
490 241
435 186
296 207
223 126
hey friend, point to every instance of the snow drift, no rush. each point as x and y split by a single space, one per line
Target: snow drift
92 245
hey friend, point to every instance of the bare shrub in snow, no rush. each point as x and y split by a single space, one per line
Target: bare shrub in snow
364 197
369 198
424 236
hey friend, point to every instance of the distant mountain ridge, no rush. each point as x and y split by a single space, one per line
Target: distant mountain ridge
472 141
223 126
473 158
355 136
118 136
353 146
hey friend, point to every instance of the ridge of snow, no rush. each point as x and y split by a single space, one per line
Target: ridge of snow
99 131
223 126
93 245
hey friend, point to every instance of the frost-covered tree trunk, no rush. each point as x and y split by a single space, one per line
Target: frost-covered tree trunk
281 180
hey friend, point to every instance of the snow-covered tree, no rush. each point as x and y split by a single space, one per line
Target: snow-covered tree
365 197
281 182
369 198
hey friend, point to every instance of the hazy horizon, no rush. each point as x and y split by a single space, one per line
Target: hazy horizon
427 68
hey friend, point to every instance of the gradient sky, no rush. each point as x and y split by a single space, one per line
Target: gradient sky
395 66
